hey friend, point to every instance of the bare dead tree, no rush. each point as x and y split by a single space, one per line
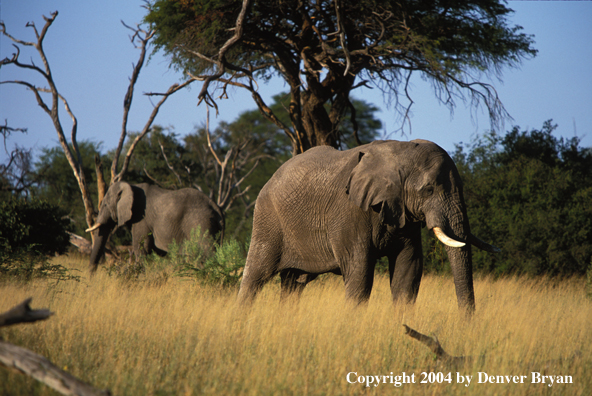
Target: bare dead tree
226 171
17 170
34 365
140 38
72 153
100 179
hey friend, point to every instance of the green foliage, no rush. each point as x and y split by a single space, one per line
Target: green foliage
57 185
448 36
26 264
321 50
35 225
149 162
29 232
529 193
199 258
434 253
217 265
224 267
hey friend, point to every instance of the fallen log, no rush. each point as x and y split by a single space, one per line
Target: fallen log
83 245
23 313
434 345
34 365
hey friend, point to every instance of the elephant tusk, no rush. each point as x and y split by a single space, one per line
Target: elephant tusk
445 239
473 240
91 229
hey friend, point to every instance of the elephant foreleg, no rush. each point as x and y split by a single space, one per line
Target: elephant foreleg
406 265
358 281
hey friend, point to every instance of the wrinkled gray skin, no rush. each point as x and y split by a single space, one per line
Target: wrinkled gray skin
156 217
339 211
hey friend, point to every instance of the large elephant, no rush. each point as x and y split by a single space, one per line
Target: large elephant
339 211
157 217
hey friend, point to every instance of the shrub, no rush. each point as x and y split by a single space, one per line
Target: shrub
35 226
529 193
29 232
25 265
198 258
221 265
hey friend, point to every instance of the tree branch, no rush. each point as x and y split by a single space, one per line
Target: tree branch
434 345
74 159
172 89
127 101
37 366
169 164
23 313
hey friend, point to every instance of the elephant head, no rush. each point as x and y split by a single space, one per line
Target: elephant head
115 211
417 181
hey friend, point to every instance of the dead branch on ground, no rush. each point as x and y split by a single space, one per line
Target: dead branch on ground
36 366
434 345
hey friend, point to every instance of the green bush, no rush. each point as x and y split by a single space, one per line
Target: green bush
35 226
529 193
199 258
220 265
29 232
24 265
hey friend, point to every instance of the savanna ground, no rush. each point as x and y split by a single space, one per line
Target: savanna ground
165 335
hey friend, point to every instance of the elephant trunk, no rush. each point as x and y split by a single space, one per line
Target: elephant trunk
455 226
98 248
461 263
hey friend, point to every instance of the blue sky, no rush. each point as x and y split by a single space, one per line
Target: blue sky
91 60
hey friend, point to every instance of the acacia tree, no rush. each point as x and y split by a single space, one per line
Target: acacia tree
140 38
324 49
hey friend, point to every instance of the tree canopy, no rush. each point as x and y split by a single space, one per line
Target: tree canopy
325 49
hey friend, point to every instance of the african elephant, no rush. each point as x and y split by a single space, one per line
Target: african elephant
157 217
339 211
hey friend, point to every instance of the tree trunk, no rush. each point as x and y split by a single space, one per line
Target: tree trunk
101 185
319 129
319 108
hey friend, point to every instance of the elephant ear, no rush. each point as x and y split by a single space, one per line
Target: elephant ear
373 184
125 202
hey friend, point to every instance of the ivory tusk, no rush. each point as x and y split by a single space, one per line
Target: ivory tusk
445 239
91 229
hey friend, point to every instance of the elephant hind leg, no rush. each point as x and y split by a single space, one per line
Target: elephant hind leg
293 283
261 266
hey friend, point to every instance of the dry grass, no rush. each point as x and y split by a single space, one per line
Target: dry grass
176 337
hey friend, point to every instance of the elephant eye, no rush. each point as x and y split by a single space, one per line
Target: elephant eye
427 191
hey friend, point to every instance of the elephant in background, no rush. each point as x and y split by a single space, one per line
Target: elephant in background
339 211
157 217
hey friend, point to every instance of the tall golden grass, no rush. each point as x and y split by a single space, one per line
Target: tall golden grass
163 335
